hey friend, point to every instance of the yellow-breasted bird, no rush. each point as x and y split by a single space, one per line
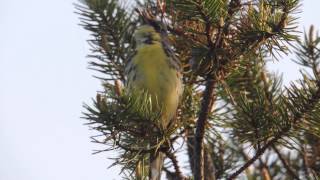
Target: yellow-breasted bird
154 69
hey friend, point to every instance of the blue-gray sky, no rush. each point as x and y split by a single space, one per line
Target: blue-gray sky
44 82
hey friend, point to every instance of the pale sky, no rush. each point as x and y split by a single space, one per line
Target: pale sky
44 82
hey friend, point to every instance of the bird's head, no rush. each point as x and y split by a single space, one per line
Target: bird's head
146 35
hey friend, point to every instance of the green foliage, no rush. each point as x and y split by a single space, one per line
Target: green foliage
111 28
257 105
194 10
127 123
255 119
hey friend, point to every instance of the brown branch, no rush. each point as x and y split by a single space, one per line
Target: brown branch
285 163
209 93
170 175
265 173
264 169
190 147
176 166
201 10
304 163
180 32
206 104
209 169
257 155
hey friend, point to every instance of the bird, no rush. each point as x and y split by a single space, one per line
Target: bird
155 70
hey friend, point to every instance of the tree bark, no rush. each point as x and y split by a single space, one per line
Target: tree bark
206 105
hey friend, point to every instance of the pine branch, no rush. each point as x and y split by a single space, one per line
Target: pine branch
256 156
190 148
207 21
170 175
277 29
209 169
285 164
176 166
208 97
206 105
309 105
264 170
109 26
304 163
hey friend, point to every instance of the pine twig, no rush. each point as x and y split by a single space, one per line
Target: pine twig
304 164
285 163
209 93
256 156
190 147
209 168
170 175
176 166
207 102
265 173
308 107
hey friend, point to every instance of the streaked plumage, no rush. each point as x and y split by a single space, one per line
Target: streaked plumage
155 70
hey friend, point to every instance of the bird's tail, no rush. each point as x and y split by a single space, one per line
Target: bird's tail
156 163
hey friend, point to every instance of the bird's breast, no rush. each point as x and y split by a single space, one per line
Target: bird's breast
153 73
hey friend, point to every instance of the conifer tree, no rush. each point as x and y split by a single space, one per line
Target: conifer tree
236 118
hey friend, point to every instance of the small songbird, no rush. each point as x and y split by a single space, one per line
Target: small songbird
154 69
